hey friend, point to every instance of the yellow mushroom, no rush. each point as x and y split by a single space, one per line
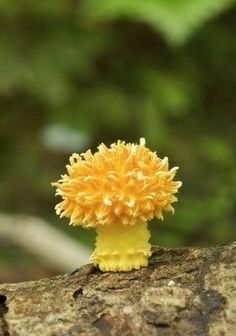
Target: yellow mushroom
117 190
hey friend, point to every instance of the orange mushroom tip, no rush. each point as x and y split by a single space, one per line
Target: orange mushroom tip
117 190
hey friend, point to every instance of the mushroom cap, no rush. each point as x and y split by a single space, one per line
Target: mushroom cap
126 183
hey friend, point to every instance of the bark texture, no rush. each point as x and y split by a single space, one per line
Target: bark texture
187 291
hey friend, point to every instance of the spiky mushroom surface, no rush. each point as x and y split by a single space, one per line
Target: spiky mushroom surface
115 188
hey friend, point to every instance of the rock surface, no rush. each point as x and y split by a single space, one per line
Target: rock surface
187 291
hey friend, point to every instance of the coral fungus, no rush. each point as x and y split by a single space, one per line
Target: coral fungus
117 190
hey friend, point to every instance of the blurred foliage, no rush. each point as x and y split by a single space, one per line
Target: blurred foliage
89 71
176 19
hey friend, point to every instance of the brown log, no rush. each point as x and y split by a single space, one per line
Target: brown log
187 291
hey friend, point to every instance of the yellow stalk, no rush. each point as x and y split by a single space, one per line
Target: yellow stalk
121 247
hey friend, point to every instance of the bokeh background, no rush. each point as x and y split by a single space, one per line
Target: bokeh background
74 74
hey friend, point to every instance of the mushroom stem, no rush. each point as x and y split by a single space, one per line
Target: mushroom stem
121 247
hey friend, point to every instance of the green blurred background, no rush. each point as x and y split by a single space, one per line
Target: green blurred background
74 74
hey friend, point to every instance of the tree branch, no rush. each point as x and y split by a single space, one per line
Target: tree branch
43 240
187 291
